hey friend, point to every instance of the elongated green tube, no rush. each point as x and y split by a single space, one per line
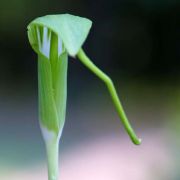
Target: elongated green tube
52 88
106 79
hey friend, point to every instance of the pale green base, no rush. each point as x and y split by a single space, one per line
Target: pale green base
51 140
52 149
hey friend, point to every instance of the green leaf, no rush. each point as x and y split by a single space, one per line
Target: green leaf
72 30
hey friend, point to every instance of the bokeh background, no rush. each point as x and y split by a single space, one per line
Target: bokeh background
137 43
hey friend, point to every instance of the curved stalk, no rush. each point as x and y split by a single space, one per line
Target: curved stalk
107 80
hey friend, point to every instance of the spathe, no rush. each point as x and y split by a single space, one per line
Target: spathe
72 30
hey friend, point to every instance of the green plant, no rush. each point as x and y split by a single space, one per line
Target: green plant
53 38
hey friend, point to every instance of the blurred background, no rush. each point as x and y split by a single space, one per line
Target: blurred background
137 43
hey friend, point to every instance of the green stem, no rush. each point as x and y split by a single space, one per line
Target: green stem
106 79
52 148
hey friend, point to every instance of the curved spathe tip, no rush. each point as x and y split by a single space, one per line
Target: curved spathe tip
73 30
